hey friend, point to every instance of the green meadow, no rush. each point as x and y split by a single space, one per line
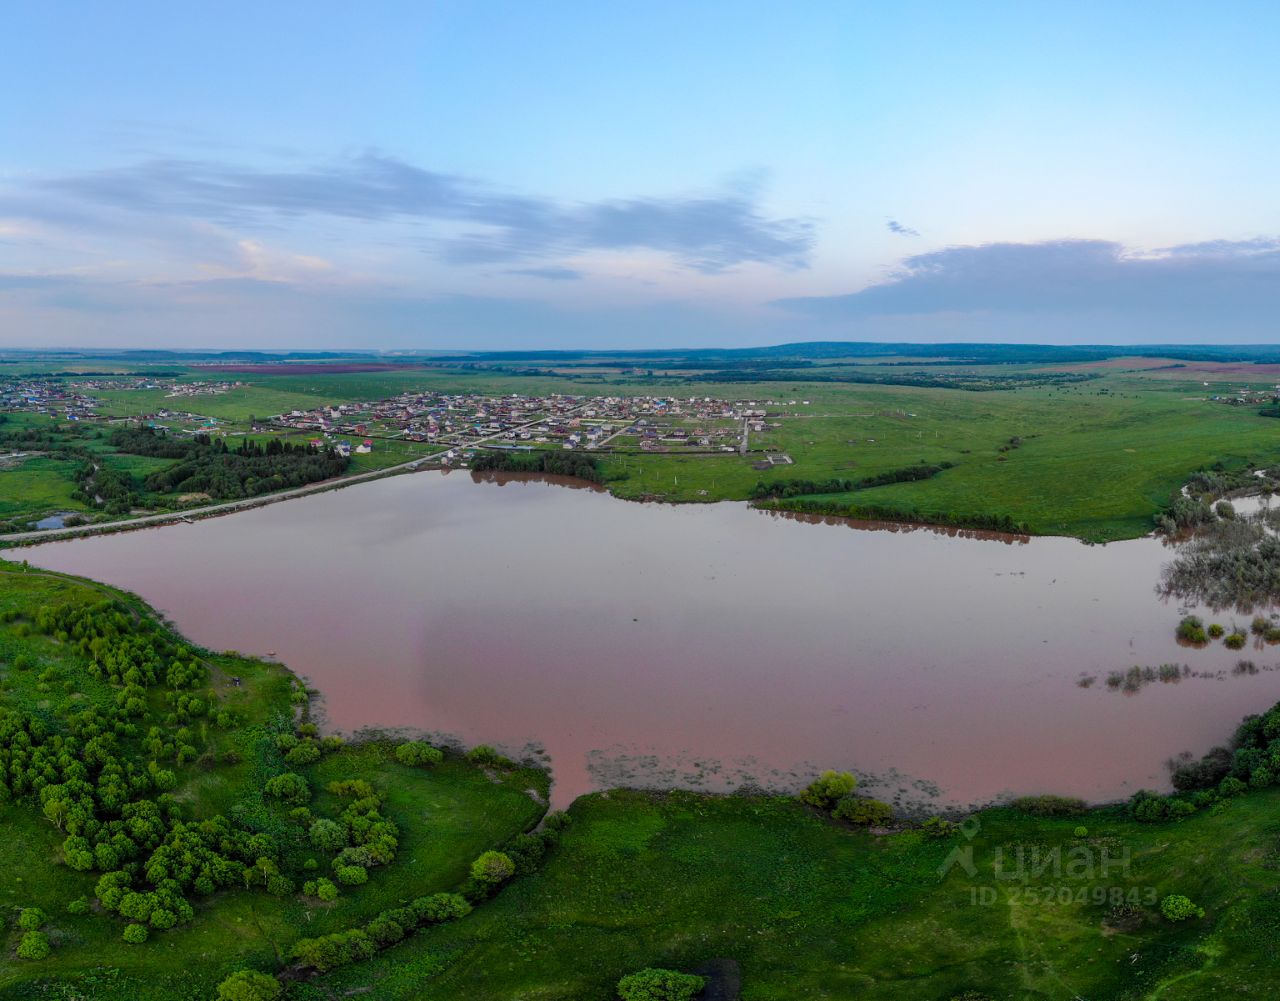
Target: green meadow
1094 459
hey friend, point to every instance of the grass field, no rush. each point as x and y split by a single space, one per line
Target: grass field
1096 459
812 910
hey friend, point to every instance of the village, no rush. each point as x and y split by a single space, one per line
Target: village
453 422
527 422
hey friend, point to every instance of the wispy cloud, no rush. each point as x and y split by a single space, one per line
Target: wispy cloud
893 226
551 273
709 233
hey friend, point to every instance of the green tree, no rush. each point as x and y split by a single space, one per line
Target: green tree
328 835
493 868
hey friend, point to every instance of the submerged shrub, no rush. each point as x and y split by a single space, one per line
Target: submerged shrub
1191 630
1235 640
1216 630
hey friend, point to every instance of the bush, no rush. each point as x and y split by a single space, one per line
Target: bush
1216 631
78 906
483 754
328 835
249 985
859 810
1081 832
492 868
34 945
418 752
1191 630
351 875
938 828
135 934
306 753
828 789
1050 806
1235 640
290 787
32 918
1176 907
659 985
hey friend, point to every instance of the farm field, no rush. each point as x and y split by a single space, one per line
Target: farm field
1094 459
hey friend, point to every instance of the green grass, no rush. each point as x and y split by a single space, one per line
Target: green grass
813 910
1097 459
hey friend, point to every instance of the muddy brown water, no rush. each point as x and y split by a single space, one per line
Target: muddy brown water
702 646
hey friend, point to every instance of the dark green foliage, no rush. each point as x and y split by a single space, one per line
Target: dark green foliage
331 951
555 463
795 488
906 515
290 787
863 811
1049 806
207 466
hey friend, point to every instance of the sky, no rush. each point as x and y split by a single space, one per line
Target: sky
478 175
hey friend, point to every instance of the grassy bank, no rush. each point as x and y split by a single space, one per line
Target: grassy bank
445 816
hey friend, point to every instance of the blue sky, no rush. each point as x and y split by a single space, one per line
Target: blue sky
483 175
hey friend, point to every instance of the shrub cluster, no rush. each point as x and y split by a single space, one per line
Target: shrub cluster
341 948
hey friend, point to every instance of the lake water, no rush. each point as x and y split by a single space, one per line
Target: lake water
701 645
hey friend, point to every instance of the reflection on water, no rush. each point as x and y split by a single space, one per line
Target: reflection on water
862 525
705 644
